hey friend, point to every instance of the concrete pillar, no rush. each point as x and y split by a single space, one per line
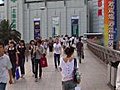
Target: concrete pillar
20 24
6 5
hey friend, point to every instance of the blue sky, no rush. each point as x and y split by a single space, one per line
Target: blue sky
1 1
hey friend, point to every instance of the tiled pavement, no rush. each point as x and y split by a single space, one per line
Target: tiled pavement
94 76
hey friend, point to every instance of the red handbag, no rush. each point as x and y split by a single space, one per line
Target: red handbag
43 62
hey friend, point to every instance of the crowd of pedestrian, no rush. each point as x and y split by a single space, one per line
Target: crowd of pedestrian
15 55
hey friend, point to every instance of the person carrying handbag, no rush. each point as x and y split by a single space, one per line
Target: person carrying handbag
67 70
38 55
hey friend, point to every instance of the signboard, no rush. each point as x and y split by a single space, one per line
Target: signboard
55 26
99 7
37 28
14 17
75 25
106 23
115 22
109 22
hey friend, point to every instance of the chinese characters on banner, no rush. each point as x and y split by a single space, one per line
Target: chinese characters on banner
109 22
14 18
99 7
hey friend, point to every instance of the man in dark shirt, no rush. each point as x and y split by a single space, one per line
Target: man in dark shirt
79 47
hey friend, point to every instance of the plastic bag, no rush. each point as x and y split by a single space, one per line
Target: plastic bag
17 74
77 88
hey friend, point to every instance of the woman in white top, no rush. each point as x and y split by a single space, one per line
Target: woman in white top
67 68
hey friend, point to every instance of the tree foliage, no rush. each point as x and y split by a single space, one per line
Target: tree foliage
6 31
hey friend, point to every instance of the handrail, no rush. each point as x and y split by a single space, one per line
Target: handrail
104 53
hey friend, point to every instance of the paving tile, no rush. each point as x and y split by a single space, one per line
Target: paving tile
94 75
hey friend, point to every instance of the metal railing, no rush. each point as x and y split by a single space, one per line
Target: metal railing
105 54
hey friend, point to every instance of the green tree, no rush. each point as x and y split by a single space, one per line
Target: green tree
7 33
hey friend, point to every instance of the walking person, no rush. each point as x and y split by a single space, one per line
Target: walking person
38 54
32 49
45 45
50 45
21 54
57 51
5 67
12 52
80 48
67 69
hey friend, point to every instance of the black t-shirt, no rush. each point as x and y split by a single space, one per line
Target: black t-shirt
12 54
31 48
21 50
79 46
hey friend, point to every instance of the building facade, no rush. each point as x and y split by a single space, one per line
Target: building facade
104 20
46 18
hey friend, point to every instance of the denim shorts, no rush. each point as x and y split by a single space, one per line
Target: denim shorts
2 86
68 85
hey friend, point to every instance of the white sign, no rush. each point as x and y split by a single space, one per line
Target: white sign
55 26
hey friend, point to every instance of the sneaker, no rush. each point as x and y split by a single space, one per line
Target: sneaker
39 78
36 80
22 76
56 69
14 80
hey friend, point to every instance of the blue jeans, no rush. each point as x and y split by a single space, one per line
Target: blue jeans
69 85
56 59
2 86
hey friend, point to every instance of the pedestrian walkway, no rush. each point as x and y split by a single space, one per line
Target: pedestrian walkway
94 76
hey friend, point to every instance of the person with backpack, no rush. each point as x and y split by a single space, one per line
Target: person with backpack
67 68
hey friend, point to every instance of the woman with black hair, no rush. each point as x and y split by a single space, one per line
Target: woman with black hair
67 69
32 48
12 52
21 54
50 45
38 55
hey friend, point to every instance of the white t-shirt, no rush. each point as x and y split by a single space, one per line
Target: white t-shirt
57 48
5 65
67 69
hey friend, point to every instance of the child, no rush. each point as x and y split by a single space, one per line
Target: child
5 65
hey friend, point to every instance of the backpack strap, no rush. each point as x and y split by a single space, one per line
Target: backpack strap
75 63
